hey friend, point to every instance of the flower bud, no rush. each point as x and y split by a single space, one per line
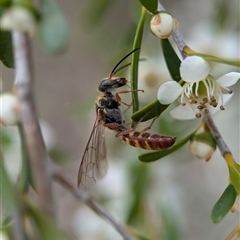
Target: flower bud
163 24
9 112
18 18
203 145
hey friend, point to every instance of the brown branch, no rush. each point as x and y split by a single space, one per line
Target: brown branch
18 229
29 119
90 202
216 135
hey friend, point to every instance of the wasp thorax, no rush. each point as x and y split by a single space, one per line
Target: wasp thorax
110 84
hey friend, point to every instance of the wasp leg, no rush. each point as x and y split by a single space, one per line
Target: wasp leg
125 132
113 126
149 127
119 100
129 105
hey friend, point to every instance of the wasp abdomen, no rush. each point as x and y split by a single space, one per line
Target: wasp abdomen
147 140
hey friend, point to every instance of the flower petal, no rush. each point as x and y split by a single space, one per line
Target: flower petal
168 92
229 79
183 113
194 69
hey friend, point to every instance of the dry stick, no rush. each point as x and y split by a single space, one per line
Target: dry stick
216 135
34 139
84 197
17 223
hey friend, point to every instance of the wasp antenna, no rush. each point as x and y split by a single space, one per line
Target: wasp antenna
126 65
117 70
112 73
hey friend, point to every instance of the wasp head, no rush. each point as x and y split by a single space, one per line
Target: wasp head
108 85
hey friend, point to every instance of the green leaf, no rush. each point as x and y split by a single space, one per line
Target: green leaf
135 60
47 229
7 228
156 155
224 204
6 50
8 195
234 171
138 235
150 5
28 5
5 3
53 29
150 111
172 60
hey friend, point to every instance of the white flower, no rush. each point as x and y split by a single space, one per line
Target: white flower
200 91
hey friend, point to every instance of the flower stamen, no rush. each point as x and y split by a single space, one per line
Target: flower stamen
222 108
205 82
196 89
198 115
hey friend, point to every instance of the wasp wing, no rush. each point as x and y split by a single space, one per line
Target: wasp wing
94 160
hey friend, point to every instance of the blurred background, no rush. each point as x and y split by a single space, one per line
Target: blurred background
167 199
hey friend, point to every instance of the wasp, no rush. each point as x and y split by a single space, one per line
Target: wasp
109 115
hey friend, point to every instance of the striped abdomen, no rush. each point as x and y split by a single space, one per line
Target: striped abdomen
147 140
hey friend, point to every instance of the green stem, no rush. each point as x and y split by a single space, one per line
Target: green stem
135 59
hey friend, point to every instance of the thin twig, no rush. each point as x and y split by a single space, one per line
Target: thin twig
18 231
90 202
216 135
180 42
34 139
235 233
